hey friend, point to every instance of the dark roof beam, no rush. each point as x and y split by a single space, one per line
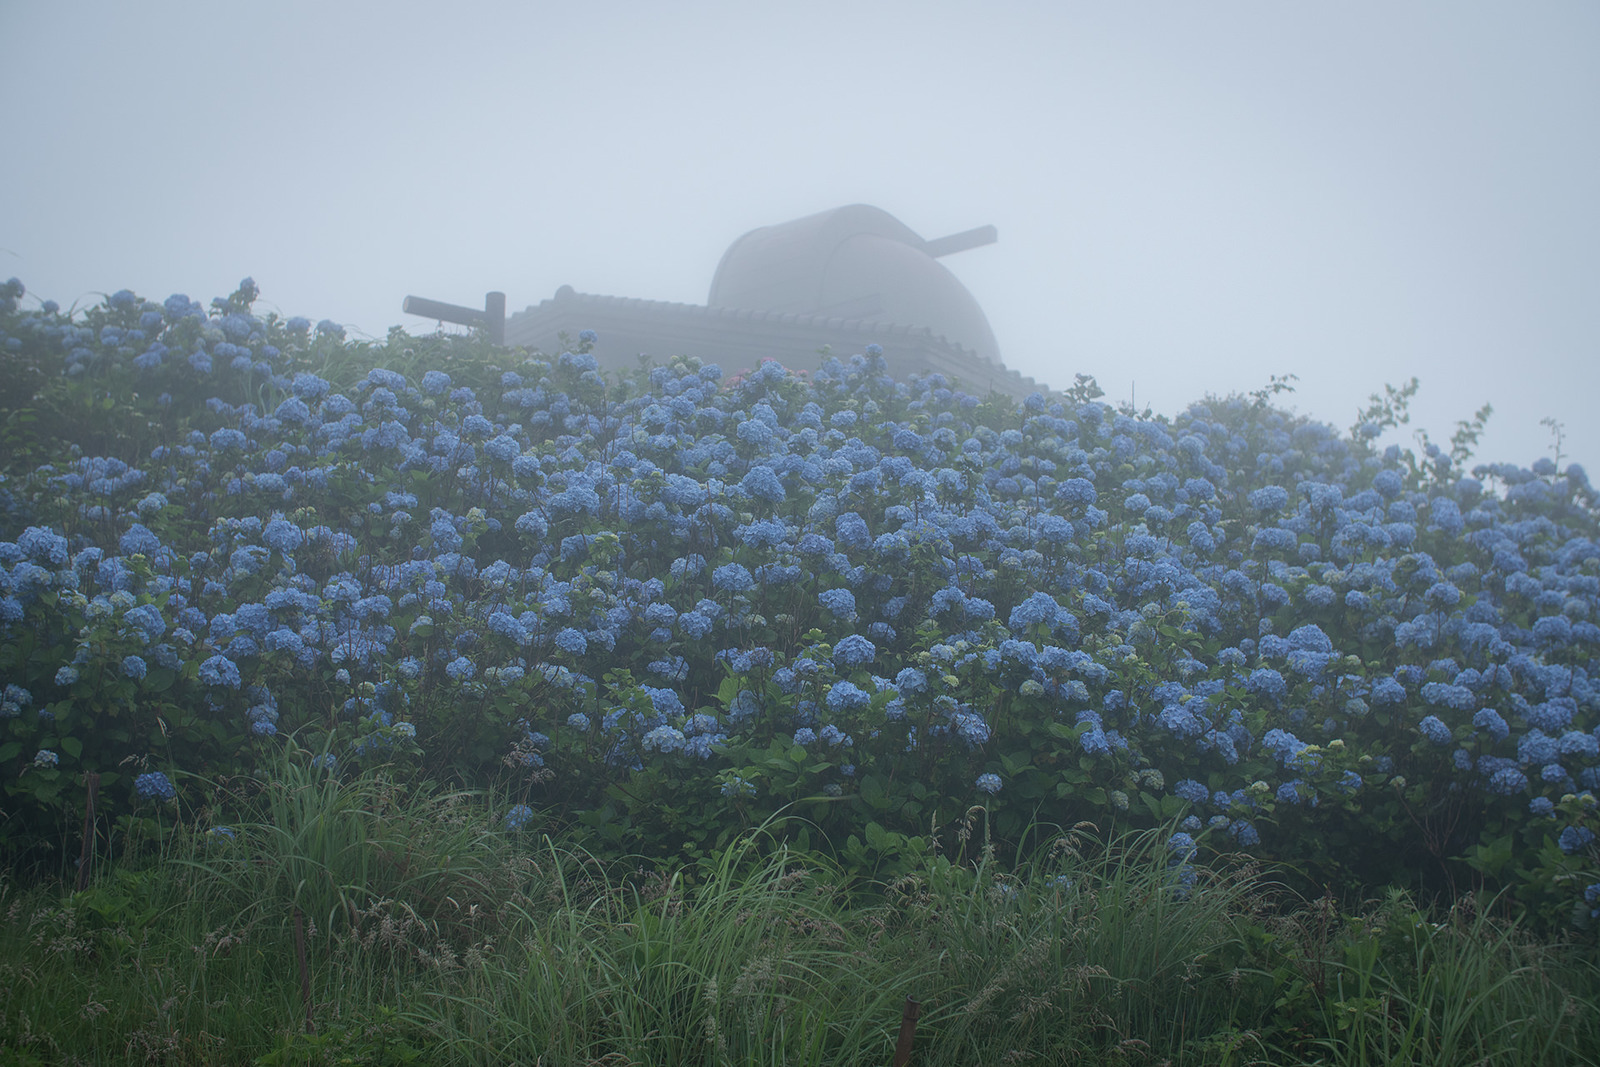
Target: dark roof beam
492 319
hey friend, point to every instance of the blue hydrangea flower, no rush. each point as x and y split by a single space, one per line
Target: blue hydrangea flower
664 739
847 696
1507 781
970 727
733 578
219 670
1266 682
1577 744
854 651
154 786
139 540
1284 746
1038 608
572 641
988 783
1575 839
1295 792
839 602
1269 498
1435 730
1491 721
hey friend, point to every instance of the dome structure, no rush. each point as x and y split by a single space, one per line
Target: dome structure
859 263
842 281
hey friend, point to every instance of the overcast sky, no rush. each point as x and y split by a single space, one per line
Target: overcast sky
1190 197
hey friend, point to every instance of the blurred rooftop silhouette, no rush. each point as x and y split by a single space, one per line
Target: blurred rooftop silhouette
838 281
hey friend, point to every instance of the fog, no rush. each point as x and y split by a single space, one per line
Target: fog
1190 198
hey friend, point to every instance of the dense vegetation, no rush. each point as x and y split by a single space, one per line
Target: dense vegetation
739 627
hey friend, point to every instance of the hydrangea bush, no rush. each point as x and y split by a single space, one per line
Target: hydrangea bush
666 607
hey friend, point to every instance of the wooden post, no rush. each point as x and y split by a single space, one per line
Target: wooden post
86 858
492 319
908 1032
305 972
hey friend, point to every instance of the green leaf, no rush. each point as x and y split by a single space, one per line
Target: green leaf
1492 856
1152 802
873 794
72 746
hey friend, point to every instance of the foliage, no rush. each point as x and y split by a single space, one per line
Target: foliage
658 611
488 945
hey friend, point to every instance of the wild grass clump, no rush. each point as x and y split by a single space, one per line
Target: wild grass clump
337 846
435 934
761 962
1467 988
187 953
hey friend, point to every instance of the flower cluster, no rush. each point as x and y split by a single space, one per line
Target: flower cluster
153 785
681 575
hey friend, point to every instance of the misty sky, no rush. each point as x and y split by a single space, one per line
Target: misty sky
1190 197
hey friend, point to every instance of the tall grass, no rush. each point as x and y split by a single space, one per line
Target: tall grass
759 963
337 846
1467 989
435 937
1099 951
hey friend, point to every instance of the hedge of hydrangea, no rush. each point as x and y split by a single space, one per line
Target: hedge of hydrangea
663 608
